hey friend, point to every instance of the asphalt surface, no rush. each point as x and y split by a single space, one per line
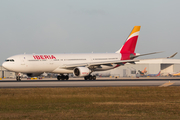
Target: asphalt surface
79 82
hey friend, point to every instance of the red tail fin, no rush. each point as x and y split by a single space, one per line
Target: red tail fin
130 44
158 74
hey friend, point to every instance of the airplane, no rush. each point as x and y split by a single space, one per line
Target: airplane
81 65
143 72
154 75
174 74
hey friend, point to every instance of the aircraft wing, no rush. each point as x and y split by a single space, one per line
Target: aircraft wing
120 62
109 63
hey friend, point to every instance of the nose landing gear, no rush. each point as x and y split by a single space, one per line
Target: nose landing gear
18 78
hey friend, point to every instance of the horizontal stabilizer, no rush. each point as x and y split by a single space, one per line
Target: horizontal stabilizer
135 56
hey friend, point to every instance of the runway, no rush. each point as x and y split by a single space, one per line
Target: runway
78 82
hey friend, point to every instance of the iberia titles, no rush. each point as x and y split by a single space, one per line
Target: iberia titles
38 57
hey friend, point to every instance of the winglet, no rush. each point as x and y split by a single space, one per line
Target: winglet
172 55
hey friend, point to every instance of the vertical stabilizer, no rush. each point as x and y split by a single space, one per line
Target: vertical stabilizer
130 44
158 74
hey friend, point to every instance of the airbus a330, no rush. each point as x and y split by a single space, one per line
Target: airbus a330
81 65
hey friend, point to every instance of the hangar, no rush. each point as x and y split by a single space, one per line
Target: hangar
153 66
5 73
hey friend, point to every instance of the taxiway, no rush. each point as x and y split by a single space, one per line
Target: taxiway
78 82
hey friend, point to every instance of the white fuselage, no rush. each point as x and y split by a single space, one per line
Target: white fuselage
56 63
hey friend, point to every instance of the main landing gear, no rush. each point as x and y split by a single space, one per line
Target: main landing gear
63 77
90 77
18 78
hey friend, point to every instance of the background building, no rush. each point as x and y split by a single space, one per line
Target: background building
6 74
153 66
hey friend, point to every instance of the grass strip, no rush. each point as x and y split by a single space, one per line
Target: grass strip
89 103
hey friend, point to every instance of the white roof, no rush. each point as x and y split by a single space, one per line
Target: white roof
160 61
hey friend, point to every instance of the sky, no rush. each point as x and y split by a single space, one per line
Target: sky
86 26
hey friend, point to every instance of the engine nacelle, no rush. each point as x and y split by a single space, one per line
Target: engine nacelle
81 71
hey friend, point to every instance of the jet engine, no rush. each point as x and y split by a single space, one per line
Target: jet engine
81 71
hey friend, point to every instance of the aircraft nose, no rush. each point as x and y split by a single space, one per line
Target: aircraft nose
5 65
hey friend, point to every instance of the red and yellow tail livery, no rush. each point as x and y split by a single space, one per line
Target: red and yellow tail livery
130 44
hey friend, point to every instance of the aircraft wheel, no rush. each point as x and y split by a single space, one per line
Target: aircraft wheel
18 78
67 77
58 77
94 77
90 77
87 77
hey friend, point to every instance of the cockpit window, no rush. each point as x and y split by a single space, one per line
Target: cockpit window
9 60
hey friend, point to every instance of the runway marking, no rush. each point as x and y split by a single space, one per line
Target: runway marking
166 84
